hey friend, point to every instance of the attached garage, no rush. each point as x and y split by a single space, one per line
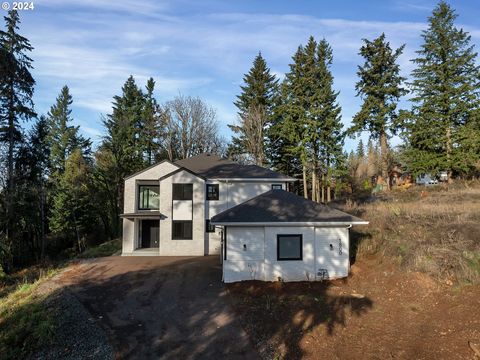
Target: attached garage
279 236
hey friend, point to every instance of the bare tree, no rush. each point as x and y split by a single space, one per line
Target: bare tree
191 128
252 127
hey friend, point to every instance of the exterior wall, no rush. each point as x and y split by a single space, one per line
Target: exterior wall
128 238
258 261
231 194
193 247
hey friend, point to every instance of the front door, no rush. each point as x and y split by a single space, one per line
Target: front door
331 253
149 233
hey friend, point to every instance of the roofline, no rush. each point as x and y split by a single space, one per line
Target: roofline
286 223
148 168
180 168
254 179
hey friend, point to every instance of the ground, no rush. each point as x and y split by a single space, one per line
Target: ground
379 312
158 307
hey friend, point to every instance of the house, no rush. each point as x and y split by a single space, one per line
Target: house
209 205
168 206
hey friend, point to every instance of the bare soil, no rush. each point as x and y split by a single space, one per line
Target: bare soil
379 312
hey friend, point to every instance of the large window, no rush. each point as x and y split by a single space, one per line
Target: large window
182 191
289 247
148 197
212 192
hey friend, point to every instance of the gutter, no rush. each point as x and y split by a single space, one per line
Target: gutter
281 223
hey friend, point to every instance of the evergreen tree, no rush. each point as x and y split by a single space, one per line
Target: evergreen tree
258 96
360 149
446 97
16 91
63 137
380 87
151 125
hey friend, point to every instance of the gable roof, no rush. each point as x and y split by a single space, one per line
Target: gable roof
280 206
215 167
148 168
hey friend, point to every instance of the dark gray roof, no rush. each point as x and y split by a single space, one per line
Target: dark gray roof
215 167
282 206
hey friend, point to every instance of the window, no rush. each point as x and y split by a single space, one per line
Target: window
209 227
181 230
276 186
289 247
212 192
148 197
182 191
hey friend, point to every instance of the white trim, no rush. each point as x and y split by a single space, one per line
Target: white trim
279 223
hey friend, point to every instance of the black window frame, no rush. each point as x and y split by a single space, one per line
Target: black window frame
279 236
208 227
140 194
217 191
277 187
182 236
179 191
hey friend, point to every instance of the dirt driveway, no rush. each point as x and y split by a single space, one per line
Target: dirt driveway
161 307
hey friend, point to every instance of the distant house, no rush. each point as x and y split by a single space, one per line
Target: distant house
209 205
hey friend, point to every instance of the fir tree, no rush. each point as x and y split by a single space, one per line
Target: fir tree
257 96
151 126
446 96
63 136
380 87
360 149
16 91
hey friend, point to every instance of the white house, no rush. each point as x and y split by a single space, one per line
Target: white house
209 205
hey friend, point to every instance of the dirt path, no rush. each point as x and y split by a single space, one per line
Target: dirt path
379 312
168 308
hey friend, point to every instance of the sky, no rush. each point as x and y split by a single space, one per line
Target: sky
203 48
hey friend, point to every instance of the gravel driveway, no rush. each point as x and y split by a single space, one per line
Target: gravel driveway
161 307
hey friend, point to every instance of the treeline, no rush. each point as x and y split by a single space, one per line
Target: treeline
295 126
57 195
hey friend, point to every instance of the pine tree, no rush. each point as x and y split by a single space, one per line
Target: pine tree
16 91
380 87
151 125
63 136
360 149
257 96
446 96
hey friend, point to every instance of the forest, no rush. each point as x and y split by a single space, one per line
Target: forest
59 194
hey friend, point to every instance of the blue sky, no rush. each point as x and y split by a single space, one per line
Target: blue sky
203 48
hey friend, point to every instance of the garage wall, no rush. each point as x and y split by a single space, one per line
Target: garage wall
329 258
128 237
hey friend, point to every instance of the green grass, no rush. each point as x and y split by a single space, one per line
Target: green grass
106 249
26 322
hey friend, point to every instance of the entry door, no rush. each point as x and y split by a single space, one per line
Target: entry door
150 233
331 253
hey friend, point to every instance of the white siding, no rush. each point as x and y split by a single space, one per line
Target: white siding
182 210
259 260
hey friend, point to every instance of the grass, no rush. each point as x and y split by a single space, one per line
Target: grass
26 322
432 230
105 249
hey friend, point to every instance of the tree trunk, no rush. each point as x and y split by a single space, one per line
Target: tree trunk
329 196
323 189
305 183
449 155
384 156
42 222
314 183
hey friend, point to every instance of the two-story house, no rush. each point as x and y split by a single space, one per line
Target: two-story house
206 205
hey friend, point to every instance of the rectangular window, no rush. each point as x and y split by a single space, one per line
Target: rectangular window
289 247
209 228
148 197
182 191
181 230
212 191
276 186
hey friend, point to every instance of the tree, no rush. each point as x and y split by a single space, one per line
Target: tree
380 87
72 211
63 137
446 96
16 91
257 97
360 149
150 131
192 127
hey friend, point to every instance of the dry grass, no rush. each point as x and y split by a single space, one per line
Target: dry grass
433 230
